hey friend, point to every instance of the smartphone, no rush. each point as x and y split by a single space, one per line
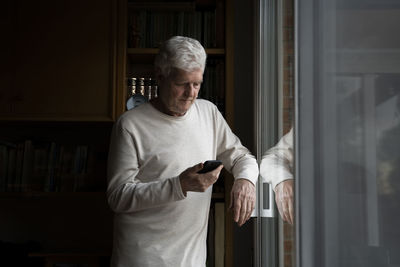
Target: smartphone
210 165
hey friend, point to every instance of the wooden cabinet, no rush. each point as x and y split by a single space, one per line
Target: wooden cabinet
57 89
58 60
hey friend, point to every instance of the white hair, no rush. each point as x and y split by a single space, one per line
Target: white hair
180 52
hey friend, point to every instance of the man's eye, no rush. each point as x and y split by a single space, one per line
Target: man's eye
195 85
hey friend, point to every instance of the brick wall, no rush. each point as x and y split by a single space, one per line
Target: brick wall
288 111
288 67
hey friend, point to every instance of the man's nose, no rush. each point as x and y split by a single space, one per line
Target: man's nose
190 89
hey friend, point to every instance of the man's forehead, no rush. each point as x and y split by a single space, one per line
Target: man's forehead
177 73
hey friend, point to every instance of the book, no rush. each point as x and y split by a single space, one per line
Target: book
66 176
51 163
40 166
16 185
80 166
11 173
27 166
3 168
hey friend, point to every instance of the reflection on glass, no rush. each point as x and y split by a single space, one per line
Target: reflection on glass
349 133
276 168
369 169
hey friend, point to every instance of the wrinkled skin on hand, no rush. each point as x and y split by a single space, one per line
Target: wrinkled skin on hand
243 199
284 200
193 181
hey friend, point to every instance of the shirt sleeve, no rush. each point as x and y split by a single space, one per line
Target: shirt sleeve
237 159
277 163
125 193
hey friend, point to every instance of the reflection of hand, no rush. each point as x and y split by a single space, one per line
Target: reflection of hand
284 200
193 181
243 199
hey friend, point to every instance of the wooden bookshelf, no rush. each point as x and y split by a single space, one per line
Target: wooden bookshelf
68 88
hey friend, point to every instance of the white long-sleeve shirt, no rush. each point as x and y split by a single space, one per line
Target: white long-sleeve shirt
154 223
277 163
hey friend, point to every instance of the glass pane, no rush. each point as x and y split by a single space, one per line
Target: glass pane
266 254
348 133
274 101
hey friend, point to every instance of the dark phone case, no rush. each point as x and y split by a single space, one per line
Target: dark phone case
210 165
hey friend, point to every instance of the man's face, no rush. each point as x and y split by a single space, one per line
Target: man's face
179 91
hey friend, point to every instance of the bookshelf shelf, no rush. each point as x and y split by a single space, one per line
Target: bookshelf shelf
145 56
218 196
73 254
154 51
5 195
21 195
89 259
163 5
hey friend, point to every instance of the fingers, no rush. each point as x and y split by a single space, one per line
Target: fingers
211 177
197 167
242 213
191 180
284 200
280 206
237 206
290 213
251 209
242 210
218 170
231 203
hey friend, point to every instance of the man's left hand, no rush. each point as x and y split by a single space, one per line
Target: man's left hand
243 199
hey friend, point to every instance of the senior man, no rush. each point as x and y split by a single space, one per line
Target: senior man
161 202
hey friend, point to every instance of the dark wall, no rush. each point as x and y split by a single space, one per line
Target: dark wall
244 111
244 71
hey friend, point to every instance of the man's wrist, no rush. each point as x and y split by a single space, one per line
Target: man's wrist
183 186
245 179
285 180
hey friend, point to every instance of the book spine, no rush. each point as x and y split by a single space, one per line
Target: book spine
27 166
3 168
11 173
16 185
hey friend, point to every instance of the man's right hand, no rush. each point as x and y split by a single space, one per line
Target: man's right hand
196 182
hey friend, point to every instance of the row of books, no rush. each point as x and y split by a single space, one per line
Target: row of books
148 28
213 87
45 167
